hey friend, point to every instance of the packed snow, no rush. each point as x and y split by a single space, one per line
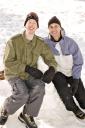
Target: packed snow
72 16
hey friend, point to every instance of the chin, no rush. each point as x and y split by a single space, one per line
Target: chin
54 36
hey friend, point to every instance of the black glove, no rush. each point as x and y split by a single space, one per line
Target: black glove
74 86
36 73
48 75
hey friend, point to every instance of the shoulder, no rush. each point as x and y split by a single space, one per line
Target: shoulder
16 37
72 45
46 39
70 41
39 38
43 44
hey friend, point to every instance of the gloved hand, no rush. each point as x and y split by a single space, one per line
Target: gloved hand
74 86
36 73
48 75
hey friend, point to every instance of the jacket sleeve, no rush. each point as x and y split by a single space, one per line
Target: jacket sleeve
48 56
77 60
10 60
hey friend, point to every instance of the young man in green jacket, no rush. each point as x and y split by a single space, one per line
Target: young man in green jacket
28 83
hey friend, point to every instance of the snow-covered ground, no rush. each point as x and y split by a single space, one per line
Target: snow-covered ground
72 15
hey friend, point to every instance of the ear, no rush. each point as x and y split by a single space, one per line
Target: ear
62 32
49 35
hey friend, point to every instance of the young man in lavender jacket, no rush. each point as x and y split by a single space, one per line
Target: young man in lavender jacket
67 79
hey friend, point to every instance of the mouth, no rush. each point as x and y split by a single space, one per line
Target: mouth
54 33
31 29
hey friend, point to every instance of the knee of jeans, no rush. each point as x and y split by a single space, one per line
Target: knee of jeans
38 91
23 95
68 107
68 104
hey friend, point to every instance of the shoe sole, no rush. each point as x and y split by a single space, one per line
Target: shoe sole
22 121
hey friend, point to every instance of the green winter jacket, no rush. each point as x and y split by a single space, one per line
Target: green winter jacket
20 52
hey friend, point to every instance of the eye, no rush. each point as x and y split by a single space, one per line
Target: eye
54 26
51 27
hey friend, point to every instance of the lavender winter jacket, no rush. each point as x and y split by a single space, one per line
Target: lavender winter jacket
69 47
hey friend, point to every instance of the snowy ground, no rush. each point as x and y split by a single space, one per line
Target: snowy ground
72 15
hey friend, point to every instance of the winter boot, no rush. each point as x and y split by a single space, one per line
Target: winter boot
27 120
79 114
3 117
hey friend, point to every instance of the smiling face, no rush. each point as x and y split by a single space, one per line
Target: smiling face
55 30
31 26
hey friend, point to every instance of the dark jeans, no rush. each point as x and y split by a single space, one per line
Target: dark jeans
61 83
